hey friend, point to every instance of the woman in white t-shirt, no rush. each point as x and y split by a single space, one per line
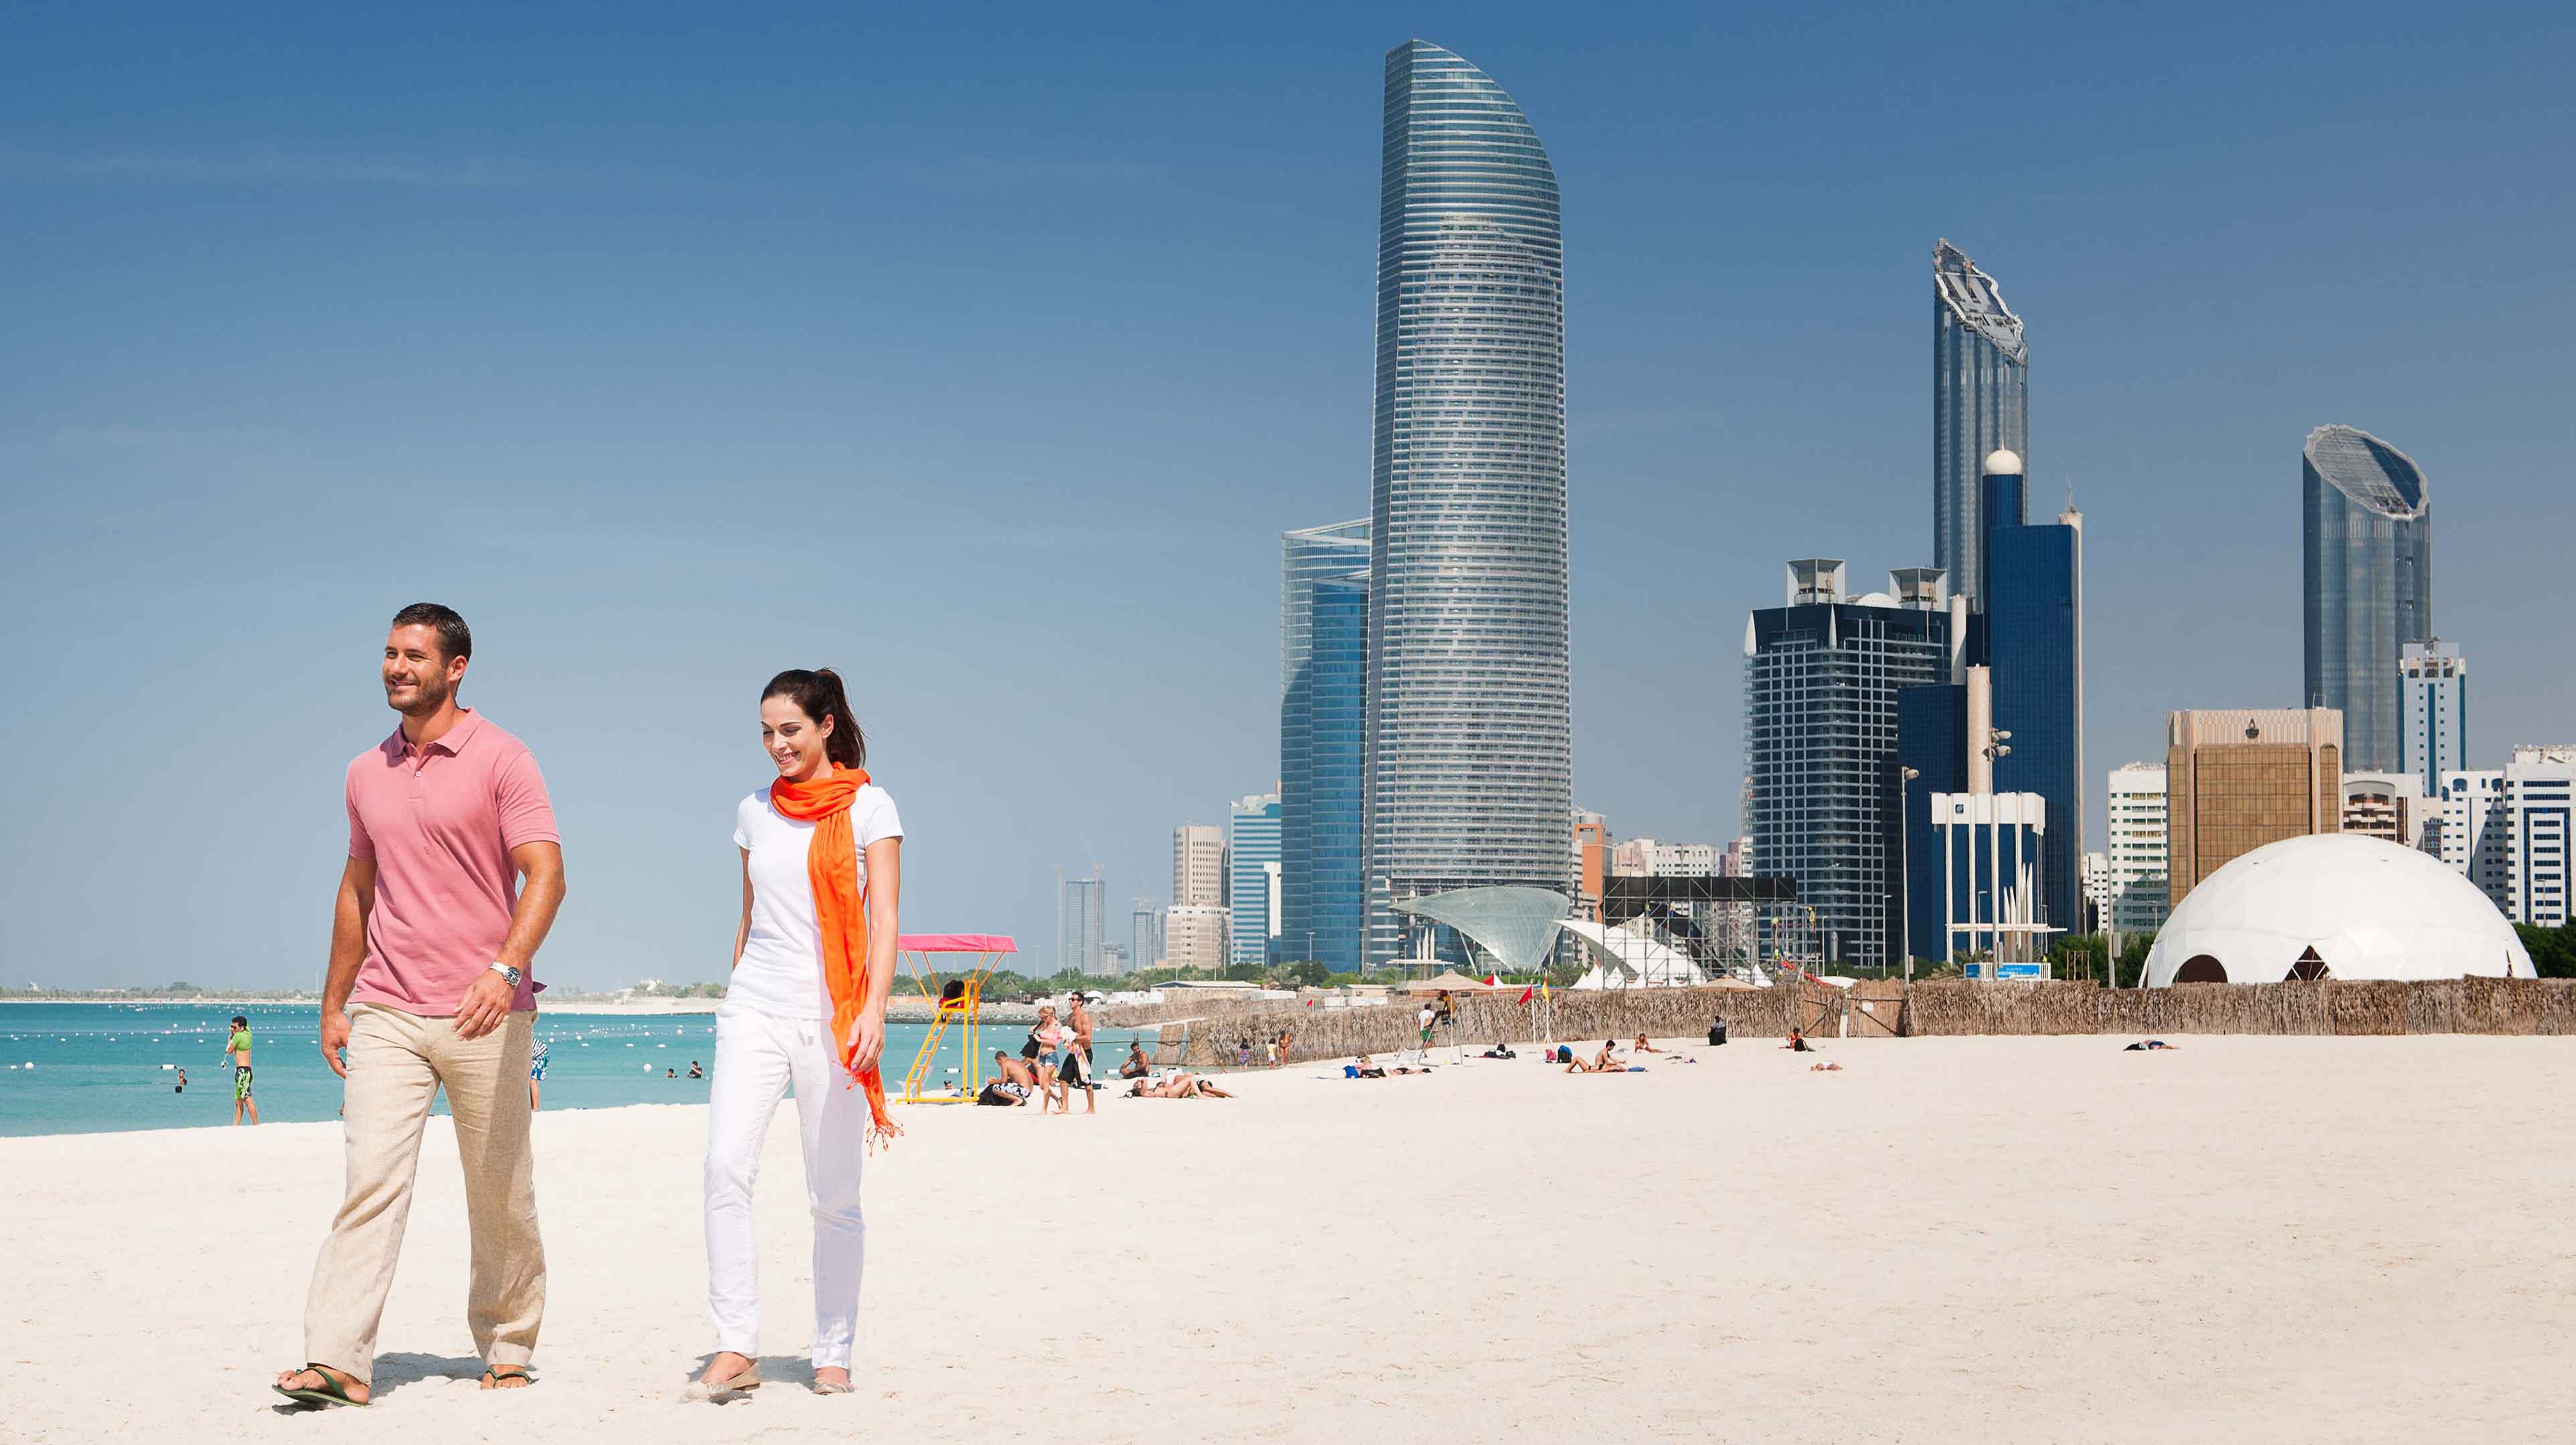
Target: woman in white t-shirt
791 1016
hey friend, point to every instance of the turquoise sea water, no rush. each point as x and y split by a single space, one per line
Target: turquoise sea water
90 1068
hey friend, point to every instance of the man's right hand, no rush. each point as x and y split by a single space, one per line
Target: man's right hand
335 1037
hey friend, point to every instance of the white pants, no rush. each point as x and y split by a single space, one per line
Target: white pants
757 1056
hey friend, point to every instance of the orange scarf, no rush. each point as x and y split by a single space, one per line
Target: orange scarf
841 909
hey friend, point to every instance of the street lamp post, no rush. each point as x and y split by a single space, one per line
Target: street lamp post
1904 870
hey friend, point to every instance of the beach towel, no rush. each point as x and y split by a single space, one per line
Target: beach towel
841 908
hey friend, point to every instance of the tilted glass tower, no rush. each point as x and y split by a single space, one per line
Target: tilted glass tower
1470 757
1980 402
2368 565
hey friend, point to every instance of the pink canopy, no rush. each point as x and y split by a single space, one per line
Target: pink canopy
957 943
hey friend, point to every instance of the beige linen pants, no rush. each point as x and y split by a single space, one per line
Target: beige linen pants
397 1063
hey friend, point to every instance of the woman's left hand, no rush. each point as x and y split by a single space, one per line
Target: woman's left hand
868 1037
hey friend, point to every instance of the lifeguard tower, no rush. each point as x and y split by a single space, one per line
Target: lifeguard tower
954 1004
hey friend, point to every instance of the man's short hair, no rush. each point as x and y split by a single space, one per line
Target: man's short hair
455 639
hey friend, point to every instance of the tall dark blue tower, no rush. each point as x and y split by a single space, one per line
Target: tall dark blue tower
2035 643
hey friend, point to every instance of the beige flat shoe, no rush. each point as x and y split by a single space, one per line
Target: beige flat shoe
702 1391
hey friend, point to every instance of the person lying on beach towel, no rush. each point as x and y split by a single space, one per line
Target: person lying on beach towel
1363 1070
1827 1067
1644 1047
1179 1086
2150 1046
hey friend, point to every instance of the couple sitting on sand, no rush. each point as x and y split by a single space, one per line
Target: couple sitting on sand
454 875
1607 1061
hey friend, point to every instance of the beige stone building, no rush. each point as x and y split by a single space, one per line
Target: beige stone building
1198 866
2239 778
1199 937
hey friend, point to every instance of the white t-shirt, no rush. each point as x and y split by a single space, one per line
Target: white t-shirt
781 970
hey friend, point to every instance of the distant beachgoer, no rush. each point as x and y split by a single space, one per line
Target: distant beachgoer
1444 1014
453 877
694 1071
1797 1043
183 1083
1136 1067
1178 1086
1243 1053
536 1072
1603 1062
670 1073
1285 1039
1828 1067
804 1013
1644 1047
2150 1046
1425 1019
237 1046
1366 1070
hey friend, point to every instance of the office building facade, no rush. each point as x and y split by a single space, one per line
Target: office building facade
1980 403
2367 569
1252 856
1323 743
2134 814
1198 866
2034 629
1197 937
2391 807
2433 708
2510 830
2238 779
1469 750
1822 676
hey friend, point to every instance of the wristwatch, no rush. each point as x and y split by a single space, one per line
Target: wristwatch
509 975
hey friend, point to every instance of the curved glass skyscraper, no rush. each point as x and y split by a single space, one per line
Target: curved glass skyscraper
2367 559
1980 402
1469 753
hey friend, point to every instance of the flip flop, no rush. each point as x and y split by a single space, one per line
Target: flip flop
332 1393
719 1391
497 1373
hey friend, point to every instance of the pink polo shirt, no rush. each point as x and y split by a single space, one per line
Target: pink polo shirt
440 823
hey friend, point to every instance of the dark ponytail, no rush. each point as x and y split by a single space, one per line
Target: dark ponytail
818 695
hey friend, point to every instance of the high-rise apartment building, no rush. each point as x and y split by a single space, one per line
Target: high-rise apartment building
1980 403
1197 936
2135 812
2434 710
1081 913
2510 830
2367 565
1198 866
1323 743
1470 764
1252 855
2097 892
2237 779
1821 678
1591 864
2034 605
2388 806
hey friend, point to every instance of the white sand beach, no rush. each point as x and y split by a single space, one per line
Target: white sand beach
1981 1239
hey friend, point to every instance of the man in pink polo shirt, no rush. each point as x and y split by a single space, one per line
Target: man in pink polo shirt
453 878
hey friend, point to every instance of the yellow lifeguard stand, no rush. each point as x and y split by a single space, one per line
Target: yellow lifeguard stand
956 1004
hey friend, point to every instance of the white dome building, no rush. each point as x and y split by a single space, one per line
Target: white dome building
2334 905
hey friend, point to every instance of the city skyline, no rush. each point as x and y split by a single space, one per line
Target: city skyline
281 291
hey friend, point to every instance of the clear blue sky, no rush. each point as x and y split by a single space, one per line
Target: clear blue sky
985 355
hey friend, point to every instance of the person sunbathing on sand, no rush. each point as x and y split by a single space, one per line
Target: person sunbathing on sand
1644 1047
1368 1070
1179 1086
1827 1067
1603 1062
1797 1043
